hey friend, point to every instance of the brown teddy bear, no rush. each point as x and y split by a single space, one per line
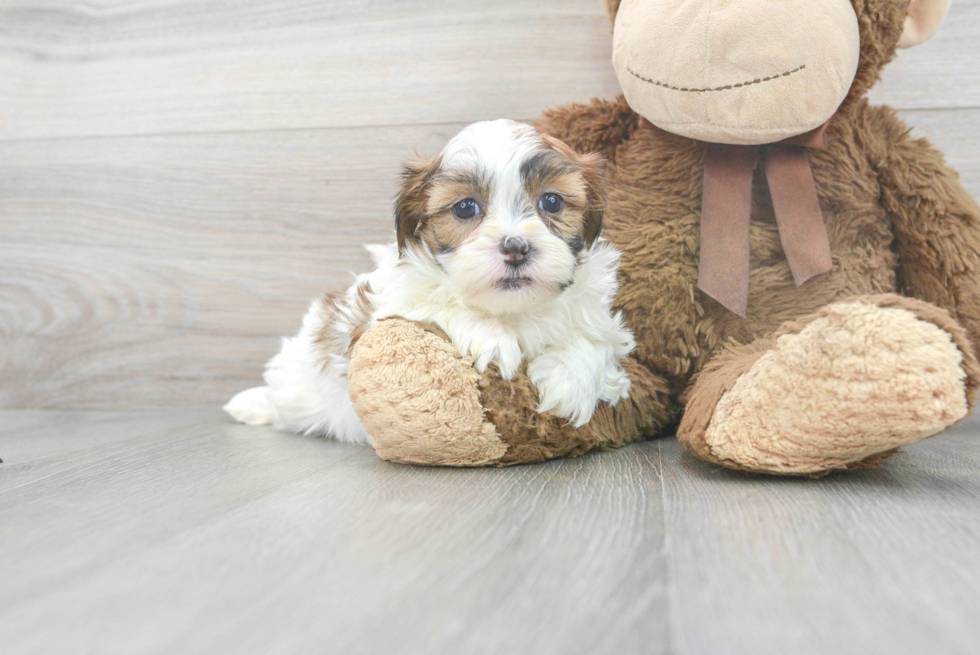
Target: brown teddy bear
802 276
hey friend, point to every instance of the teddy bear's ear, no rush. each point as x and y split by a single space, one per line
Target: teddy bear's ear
612 6
923 20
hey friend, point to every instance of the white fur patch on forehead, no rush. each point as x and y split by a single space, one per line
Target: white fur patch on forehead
493 146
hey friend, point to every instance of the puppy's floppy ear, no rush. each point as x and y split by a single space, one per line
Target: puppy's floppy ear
412 197
593 169
594 172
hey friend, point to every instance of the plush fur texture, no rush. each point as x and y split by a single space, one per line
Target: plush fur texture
899 224
423 404
421 422
867 375
498 246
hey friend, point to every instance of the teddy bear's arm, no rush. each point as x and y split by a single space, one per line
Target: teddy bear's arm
423 403
598 126
936 221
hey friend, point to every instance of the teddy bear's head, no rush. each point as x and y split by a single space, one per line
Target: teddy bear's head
757 71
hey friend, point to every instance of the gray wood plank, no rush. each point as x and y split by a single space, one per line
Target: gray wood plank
213 537
142 66
144 532
940 73
35 443
956 133
162 270
882 561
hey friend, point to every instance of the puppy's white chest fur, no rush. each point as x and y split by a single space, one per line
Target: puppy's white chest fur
573 343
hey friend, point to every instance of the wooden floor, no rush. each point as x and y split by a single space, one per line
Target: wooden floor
176 531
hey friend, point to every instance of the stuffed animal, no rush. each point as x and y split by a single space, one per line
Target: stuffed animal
802 276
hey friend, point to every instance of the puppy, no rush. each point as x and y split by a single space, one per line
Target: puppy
497 244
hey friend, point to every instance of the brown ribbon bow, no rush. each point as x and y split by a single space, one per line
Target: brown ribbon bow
726 205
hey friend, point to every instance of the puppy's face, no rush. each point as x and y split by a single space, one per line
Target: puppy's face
505 212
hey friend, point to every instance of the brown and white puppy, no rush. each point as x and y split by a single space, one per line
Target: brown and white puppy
497 244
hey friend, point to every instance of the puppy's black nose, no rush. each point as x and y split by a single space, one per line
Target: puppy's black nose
515 251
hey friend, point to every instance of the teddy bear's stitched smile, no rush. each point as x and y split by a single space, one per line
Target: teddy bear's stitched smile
759 80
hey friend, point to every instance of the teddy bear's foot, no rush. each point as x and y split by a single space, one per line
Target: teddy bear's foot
839 389
422 403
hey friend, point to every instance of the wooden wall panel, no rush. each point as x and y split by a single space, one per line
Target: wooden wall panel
943 72
142 67
155 270
146 67
177 181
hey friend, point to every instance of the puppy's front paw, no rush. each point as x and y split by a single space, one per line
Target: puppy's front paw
570 392
499 347
615 385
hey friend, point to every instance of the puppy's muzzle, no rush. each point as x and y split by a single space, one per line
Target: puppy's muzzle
516 251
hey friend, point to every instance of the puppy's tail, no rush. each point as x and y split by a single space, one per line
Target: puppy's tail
252 406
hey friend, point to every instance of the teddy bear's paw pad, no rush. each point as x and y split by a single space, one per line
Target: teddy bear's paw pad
418 399
858 380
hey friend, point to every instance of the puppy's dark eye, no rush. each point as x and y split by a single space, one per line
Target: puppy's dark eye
466 209
551 203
